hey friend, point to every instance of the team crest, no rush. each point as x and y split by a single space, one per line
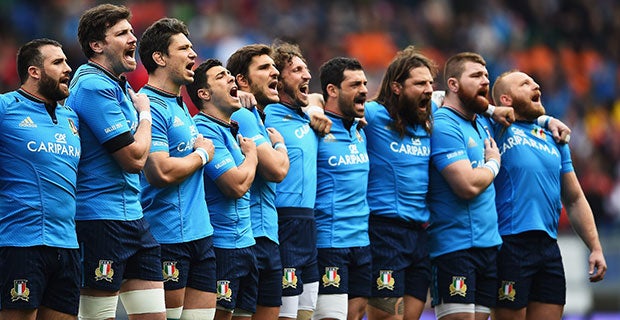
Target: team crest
458 287
385 280
539 133
72 126
223 290
20 290
104 271
289 279
170 271
331 277
507 291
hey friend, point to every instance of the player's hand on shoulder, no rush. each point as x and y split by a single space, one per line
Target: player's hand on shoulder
247 99
504 115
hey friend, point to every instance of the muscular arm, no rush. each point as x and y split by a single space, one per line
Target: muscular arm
235 182
162 170
467 182
133 156
582 221
273 164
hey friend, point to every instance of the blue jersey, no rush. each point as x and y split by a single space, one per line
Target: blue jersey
104 190
341 209
529 181
230 217
456 223
398 180
39 156
176 213
262 192
298 189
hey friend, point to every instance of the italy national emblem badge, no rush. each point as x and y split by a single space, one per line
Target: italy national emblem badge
20 290
289 279
331 277
458 286
385 280
104 271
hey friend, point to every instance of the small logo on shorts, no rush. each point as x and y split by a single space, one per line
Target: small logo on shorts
385 280
223 290
289 280
331 277
104 271
20 291
507 291
458 286
170 271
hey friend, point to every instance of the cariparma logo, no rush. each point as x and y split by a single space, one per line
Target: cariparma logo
104 271
331 277
385 280
289 279
507 291
458 286
170 271
223 290
20 290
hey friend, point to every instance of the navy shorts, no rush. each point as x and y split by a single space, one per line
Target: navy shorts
31 277
237 278
297 235
345 270
116 250
529 268
269 272
400 261
189 264
465 277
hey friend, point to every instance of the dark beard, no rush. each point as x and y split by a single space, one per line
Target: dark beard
523 111
50 89
292 94
409 112
473 103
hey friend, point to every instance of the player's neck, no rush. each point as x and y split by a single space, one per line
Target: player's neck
454 103
162 83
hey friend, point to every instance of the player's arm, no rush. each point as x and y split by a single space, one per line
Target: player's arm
318 120
132 157
560 131
582 220
273 162
162 170
235 182
467 182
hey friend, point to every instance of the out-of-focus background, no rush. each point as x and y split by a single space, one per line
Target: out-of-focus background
570 47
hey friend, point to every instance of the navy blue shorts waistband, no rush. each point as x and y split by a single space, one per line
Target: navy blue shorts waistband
292 212
413 225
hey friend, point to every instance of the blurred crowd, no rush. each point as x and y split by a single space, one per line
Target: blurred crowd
570 47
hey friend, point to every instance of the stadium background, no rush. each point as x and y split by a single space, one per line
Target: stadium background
570 47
